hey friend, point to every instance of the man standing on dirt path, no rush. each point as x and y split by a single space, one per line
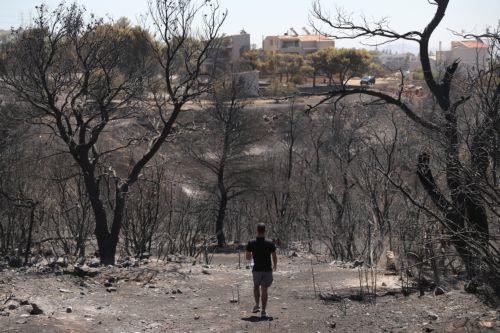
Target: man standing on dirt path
261 250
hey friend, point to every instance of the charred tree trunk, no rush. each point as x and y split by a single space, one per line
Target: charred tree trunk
108 257
30 234
101 231
223 195
219 223
107 240
460 210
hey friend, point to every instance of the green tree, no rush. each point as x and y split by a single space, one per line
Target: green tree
250 61
322 62
376 69
307 71
351 62
345 63
286 64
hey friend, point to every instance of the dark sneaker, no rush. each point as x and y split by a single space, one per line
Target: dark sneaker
256 309
263 315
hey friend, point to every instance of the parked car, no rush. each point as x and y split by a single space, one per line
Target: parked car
367 80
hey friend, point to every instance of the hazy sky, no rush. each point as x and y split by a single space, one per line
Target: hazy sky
271 17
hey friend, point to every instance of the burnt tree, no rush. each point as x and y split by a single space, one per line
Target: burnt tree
462 205
224 153
77 77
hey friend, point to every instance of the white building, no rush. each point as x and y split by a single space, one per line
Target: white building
229 51
248 82
395 61
238 44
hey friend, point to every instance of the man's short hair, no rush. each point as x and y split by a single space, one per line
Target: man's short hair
261 228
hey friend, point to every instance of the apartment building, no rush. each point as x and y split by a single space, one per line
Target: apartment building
227 55
237 44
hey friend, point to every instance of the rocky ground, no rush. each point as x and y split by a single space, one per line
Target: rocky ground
177 296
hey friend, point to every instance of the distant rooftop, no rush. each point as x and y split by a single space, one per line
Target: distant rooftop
470 44
292 35
304 38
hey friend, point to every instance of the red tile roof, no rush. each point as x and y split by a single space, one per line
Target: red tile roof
471 44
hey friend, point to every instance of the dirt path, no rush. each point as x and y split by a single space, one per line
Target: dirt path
173 297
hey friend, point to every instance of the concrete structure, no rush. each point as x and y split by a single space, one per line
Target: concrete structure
248 83
292 42
469 52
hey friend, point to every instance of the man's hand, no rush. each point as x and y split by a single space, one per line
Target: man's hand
275 267
275 261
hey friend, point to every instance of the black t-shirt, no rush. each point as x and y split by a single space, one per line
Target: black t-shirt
261 249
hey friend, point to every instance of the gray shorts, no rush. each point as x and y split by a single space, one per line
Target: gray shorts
264 279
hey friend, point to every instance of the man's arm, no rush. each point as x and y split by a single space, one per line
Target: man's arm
249 249
275 260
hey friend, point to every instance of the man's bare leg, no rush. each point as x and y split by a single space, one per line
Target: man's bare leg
256 294
264 298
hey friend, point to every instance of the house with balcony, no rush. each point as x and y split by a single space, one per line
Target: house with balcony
292 42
